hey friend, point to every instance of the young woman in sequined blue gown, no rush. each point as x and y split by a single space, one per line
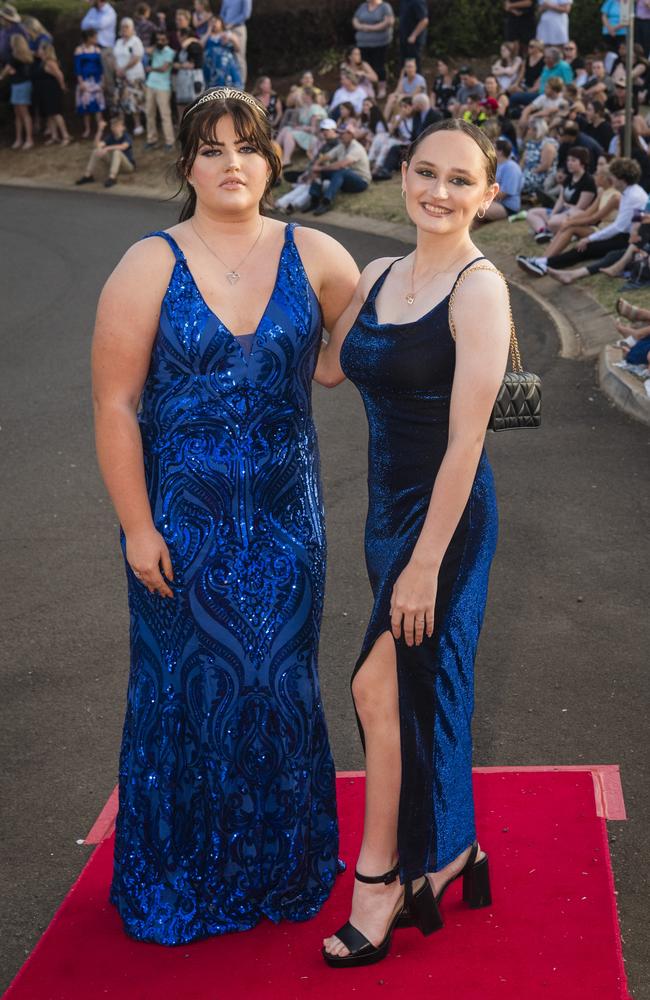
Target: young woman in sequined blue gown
227 808
430 537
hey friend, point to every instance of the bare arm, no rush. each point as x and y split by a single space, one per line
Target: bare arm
482 338
328 369
121 356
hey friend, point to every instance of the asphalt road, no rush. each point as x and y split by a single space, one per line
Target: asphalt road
562 672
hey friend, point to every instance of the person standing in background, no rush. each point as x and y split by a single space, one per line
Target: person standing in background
130 75
373 23
159 92
642 25
235 14
413 24
89 95
519 23
553 24
145 28
102 18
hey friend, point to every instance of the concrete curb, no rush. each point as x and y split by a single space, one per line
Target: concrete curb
623 388
583 326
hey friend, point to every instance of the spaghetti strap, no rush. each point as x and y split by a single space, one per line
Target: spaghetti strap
462 271
374 291
176 250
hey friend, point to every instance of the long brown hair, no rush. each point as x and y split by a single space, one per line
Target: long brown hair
473 131
198 127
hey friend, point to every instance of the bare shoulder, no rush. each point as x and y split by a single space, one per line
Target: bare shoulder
315 244
372 271
144 270
483 287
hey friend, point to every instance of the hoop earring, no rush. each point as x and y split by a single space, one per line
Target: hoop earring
479 216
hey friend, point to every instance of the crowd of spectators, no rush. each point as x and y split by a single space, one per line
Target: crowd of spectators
128 77
555 115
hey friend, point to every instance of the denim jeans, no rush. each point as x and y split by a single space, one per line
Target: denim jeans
340 180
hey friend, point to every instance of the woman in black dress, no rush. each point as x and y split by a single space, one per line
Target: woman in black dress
427 348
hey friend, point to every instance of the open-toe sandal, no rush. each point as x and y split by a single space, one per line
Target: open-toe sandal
421 907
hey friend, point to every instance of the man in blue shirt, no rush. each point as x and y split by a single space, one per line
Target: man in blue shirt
507 201
235 14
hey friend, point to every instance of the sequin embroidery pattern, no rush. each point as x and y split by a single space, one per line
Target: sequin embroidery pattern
226 782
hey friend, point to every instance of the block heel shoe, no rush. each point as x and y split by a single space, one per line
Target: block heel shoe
476 889
423 913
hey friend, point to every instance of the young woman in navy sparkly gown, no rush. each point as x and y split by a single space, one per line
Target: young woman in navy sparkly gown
206 343
430 537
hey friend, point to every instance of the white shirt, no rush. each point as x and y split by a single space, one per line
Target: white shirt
124 51
355 97
633 199
104 22
553 27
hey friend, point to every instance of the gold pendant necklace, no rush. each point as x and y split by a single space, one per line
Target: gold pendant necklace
410 296
233 274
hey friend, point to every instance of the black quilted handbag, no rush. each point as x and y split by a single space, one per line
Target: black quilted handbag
519 401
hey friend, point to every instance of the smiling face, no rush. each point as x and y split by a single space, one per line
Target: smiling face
446 183
229 175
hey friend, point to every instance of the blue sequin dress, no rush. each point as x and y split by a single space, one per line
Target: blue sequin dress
226 781
404 373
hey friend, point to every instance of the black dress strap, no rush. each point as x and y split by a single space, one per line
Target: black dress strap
462 271
176 250
374 291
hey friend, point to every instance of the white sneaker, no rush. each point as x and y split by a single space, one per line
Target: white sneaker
138 130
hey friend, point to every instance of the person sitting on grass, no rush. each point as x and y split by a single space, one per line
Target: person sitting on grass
409 84
346 168
507 201
604 246
116 150
603 209
577 194
549 103
386 148
635 340
538 158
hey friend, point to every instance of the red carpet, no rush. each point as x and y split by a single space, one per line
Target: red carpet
551 933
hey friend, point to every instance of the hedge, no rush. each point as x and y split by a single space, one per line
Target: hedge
287 37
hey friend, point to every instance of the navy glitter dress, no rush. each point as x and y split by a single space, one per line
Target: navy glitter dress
227 786
404 373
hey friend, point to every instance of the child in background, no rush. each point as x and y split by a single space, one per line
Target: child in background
116 150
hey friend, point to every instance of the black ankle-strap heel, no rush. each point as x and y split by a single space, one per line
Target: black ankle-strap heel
361 950
421 908
476 884
476 889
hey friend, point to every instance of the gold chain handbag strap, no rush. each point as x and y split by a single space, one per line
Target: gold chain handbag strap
515 355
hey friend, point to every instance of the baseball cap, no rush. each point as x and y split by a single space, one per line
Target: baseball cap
490 102
328 123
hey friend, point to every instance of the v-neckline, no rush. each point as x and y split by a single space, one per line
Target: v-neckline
235 336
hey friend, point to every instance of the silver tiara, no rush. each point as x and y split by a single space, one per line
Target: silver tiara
226 94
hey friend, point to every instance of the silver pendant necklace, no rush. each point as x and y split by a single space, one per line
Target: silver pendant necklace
232 275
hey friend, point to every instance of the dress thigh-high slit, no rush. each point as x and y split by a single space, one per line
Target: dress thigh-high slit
404 373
